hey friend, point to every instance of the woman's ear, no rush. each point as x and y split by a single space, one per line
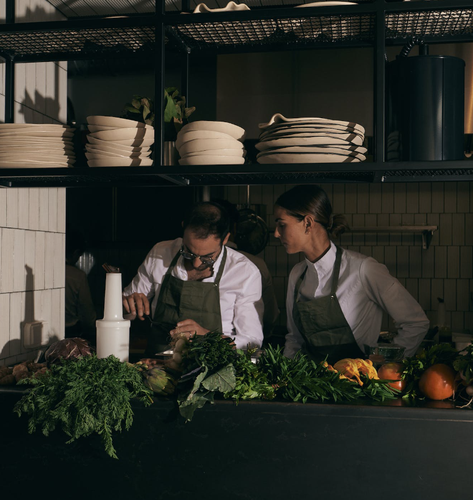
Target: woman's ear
307 223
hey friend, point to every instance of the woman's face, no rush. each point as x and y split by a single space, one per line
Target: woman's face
290 230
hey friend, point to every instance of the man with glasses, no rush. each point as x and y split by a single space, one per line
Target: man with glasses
196 285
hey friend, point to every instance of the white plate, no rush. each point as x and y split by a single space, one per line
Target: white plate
136 143
101 128
113 121
36 133
218 152
104 156
120 134
183 137
323 3
309 158
32 144
235 131
308 141
117 154
211 160
207 144
288 130
279 118
336 149
39 126
121 162
116 148
337 134
31 164
231 6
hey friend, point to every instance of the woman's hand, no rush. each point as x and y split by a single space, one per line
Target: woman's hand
189 328
136 304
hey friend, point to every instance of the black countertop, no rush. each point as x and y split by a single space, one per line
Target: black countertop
253 450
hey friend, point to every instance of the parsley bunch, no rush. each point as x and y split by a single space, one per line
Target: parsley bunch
85 396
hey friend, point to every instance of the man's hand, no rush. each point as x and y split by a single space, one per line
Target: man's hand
136 304
189 328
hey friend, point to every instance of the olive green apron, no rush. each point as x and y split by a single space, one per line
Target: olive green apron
179 300
323 325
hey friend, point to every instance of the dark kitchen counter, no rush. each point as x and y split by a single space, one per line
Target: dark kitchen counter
253 450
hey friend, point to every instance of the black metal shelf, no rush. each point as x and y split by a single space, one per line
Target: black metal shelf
255 174
105 34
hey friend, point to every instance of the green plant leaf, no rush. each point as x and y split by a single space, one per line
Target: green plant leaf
223 381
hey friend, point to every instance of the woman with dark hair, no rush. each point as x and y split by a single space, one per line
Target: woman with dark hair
336 297
196 284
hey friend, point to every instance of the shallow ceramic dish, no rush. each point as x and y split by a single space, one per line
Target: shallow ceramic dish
183 137
120 134
211 160
33 164
141 143
121 162
235 131
302 135
337 149
218 152
113 121
307 158
34 132
104 156
307 129
209 144
308 141
278 118
116 148
117 154
231 6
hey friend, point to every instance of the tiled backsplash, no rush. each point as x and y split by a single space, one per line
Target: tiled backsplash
444 270
32 220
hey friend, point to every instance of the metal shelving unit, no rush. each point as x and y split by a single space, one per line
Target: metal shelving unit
98 29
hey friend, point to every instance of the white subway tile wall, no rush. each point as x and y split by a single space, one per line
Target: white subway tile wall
444 270
32 220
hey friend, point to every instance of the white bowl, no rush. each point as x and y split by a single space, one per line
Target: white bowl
104 156
116 148
121 162
113 121
141 143
211 160
116 154
235 131
207 144
218 152
183 137
101 128
120 134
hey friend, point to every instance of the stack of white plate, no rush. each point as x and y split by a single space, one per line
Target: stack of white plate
310 140
211 143
27 145
118 142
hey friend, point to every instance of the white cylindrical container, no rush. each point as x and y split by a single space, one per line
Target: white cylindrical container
113 332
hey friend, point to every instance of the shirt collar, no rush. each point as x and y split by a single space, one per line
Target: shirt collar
326 263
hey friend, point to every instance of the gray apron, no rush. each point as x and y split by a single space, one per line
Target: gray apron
323 325
179 300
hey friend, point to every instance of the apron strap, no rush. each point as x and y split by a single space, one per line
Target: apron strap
336 271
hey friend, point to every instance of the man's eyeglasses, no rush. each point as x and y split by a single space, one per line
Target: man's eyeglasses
206 261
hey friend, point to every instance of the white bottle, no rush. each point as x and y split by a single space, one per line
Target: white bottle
113 332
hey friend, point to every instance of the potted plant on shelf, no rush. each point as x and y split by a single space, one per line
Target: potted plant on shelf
176 115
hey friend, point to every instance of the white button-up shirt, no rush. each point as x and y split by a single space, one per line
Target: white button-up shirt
241 306
365 290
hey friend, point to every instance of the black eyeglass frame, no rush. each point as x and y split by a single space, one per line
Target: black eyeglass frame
206 261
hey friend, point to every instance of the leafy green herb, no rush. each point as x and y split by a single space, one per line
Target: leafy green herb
84 396
464 364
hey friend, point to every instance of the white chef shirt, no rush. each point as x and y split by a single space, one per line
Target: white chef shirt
241 306
365 290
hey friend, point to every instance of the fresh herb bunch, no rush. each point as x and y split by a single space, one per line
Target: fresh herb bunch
251 382
212 351
301 379
85 396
